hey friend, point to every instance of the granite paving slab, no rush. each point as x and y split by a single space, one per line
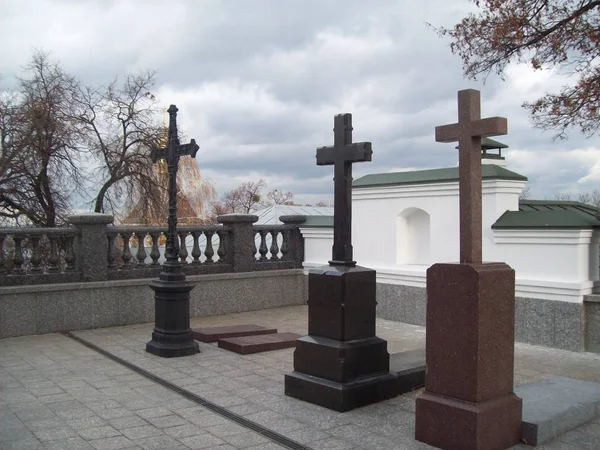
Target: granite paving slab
213 334
409 370
96 415
257 344
554 406
251 383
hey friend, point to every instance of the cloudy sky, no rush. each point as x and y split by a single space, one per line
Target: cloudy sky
258 82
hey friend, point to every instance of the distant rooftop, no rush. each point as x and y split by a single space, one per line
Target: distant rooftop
444 175
271 214
550 214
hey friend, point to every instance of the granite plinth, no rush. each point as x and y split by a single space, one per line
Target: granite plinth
341 364
342 302
341 361
454 424
172 336
554 406
338 396
470 322
213 334
260 343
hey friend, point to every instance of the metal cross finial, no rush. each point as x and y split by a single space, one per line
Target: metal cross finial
173 151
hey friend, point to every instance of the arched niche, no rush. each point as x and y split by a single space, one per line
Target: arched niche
413 237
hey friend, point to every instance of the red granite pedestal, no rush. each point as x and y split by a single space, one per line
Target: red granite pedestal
468 401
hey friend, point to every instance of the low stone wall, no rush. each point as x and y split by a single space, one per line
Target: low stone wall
39 309
556 324
592 323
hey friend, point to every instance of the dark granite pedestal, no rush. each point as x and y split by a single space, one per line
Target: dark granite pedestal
172 336
468 402
341 364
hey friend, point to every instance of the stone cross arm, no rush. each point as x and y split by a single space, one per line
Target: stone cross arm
491 126
357 152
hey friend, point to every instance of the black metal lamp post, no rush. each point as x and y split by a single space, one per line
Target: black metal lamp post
172 336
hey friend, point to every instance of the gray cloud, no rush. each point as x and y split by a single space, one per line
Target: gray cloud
258 83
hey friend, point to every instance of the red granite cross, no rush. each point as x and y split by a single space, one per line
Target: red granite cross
468 132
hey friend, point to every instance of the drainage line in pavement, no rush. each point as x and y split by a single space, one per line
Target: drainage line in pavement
272 435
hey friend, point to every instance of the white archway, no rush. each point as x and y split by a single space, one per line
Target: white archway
413 237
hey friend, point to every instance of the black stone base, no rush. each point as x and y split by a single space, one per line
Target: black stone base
333 359
166 349
172 336
341 361
337 396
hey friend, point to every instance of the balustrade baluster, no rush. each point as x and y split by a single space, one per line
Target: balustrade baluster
254 249
53 258
222 250
18 260
196 253
36 257
69 254
285 245
209 252
155 252
263 245
141 251
126 256
112 252
274 249
183 253
2 261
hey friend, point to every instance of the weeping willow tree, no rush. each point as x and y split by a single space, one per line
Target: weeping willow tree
149 204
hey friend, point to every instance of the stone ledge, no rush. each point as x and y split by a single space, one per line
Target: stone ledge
554 406
592 298
6 290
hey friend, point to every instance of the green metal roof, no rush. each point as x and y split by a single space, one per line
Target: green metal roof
489 144
445 175
317 222
551 215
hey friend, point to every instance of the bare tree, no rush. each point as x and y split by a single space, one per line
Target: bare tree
588 197
547 34
276 197
525 193
322 203
40 145
121 128
245 198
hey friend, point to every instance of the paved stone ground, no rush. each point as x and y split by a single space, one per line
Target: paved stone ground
55 393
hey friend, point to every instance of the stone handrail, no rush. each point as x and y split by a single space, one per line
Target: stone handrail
92 249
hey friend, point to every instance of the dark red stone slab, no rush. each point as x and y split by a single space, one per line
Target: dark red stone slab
468 402
261 343
213 334
454 424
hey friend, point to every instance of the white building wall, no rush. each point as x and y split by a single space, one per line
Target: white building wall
390 235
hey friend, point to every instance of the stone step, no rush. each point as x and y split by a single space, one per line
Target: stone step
554 406
409 370
256 344
213 334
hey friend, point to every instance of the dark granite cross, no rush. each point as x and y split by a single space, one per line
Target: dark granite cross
342 155
468 132
173 151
